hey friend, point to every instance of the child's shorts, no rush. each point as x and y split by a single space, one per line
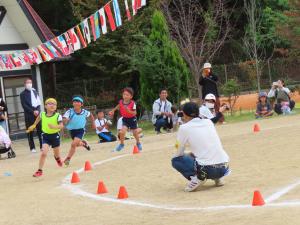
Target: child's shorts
52 140
78 133
130 123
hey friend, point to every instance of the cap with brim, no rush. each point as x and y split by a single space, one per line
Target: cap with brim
50 100
191 109
206 66
262 94
77 99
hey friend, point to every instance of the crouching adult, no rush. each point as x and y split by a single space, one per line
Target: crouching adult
207 159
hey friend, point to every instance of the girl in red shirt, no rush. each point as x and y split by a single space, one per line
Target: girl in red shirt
127 108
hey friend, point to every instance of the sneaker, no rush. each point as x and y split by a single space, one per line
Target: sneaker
158 132
38 173
219 182
86 145
119 147
139 146
67 162
9 155
13 154
194 184
33 150
59 162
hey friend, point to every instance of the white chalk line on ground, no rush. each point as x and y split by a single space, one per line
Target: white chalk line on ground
76 189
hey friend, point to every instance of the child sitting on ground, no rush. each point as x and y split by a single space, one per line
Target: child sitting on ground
263 108
102 128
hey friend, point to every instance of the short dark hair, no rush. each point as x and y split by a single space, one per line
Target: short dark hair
191 109
163 89
129 90
99 110
174 109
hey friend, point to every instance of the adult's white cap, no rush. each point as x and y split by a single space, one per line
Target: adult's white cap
207 66
210 97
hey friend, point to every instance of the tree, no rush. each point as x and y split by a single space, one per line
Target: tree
231 90
160 65
200 29
260 36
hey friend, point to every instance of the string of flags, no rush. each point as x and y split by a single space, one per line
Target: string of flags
76 38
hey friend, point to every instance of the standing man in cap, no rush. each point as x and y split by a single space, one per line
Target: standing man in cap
207 159
31 104
208 81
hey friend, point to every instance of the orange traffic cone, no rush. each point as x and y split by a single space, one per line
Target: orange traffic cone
101 188
257 199
256 128
122 193
75 178
135 150
87 166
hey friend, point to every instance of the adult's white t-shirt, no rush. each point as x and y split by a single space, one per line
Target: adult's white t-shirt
203 141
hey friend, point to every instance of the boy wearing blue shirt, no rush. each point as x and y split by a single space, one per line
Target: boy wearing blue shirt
75 120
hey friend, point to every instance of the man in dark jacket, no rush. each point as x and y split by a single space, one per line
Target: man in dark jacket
209 81
31 104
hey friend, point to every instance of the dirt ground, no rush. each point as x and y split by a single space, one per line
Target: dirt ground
267 161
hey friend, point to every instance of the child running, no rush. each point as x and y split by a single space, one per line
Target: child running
51 125
75 120
127 108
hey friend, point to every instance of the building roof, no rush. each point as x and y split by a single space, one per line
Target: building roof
43 31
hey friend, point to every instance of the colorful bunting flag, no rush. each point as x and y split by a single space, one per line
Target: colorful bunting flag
60 44
18 59
110 17
45 53
102 20
68 42
143 3
91 19
54 51
117 13
82 41
86 30
8 63
138 4
96 24
33 56
74 38
127 10
134 7
2 65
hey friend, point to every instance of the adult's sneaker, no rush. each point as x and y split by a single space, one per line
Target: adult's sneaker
33 150
194 184
38 173
86 145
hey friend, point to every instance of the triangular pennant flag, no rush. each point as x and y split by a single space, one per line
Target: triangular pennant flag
117 13
86 30
45 53
68 42
82 41
54 51
102 20
110 17
74 38
8 63
143 3
127 10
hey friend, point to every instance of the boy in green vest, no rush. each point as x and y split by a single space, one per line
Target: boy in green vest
51 125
